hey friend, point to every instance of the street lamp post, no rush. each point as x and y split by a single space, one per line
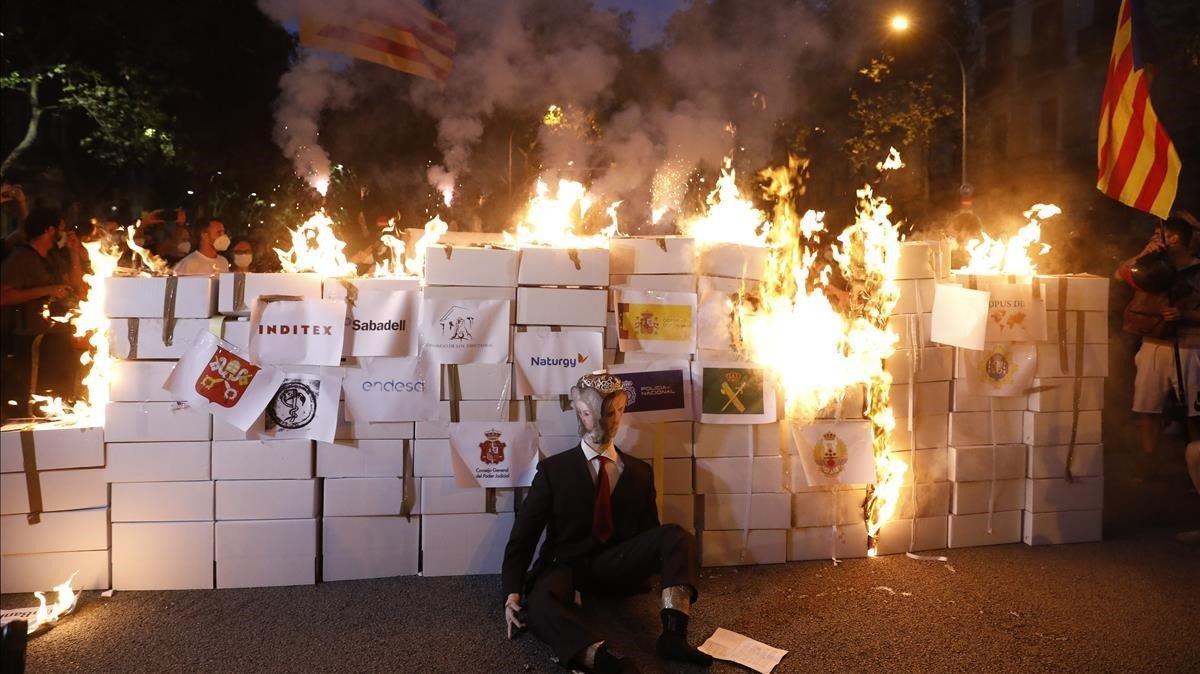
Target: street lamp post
900 24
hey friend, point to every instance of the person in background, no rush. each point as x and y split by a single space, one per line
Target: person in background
37 278
243 256
206 259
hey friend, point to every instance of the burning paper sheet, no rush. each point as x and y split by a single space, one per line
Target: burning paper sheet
216 376
392 389
731 646
297 331
494 454
656 321
549 363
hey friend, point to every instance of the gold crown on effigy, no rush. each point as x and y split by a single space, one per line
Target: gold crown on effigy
602 382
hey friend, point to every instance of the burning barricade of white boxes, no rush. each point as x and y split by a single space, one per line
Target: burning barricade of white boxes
320 428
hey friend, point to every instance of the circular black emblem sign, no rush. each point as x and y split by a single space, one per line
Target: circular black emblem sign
294 405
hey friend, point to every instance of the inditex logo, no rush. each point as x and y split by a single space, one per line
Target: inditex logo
565 361
394 386
296 329
377 326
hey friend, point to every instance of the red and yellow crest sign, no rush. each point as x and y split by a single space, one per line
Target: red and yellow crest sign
491 450
225 378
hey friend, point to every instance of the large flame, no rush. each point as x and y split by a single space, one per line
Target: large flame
315 248
729 217
151 262
64 603
90 323
555 219
1012 256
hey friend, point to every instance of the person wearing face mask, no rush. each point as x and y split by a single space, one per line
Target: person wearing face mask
206 259
43 274
243 256
597 508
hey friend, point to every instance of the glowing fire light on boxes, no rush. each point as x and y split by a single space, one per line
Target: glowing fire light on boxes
555 218
729 216
1012 256
316 248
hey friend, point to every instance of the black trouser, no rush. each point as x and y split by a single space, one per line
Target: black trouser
58 371
668 551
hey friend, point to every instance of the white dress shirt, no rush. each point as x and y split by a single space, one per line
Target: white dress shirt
614 466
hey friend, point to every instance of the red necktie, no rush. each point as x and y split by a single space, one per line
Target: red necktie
602 519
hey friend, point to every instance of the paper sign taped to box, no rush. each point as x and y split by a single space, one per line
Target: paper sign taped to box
657 391
960 316
549 363
304 407
999 370
392 389
733 393
216 376
287 330
464 331
382 323
493 454
835 452
1015 314
655 321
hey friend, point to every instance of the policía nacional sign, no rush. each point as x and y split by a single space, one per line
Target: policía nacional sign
464 331
382 323
657 391
549 363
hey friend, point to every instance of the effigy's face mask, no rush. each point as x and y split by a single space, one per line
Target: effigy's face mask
599 402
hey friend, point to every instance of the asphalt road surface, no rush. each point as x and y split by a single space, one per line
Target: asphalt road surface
1126 604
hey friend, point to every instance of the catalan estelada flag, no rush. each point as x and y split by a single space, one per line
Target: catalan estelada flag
1138 164
413 40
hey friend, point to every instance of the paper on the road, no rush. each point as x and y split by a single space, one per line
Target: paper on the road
731 646
26 614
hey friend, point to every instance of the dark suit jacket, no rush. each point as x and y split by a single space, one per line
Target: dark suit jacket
561 502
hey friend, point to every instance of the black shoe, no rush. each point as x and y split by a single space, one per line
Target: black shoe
672 643
609 661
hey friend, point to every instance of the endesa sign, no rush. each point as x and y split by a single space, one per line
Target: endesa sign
391 389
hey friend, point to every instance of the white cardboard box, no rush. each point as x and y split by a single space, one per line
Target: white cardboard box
925 465
1057 494
548 266
732 475
155 422
1060 396
916 335
493 410
933 398
1054 428
475 292
374 430
964 402
916 296
266 499
1004 462
162 501
266 553
1044 462
56 532
262 460
675 283
1095 327
464 545
849 542
968 531
361 458
142 338
158 461
369 547
561 306
369 496
447 265
254 285
441 496
335 289
144 296
934 363
679 509
480 381
639 439
55 445
731 260
1053 528
1050 364
735 440
741 511
41 572
139 380
734 548
432 457
931 500
677 476
61 490
897 536
652 255
1085 292
821 507
972 497
162 556
932 432
978 428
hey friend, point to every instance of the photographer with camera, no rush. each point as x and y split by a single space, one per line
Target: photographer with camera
1165 313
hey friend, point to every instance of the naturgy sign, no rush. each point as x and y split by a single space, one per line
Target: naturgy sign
549 363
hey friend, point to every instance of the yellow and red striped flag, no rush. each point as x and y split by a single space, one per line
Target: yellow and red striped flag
1137 162
413 40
